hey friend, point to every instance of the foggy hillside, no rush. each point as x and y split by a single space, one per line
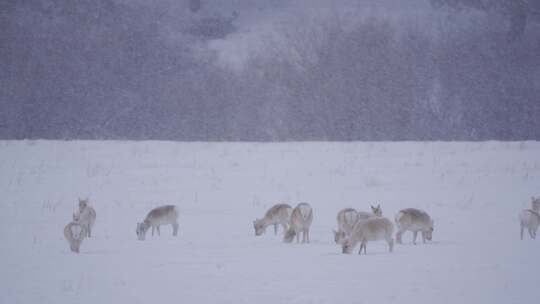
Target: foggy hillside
270 70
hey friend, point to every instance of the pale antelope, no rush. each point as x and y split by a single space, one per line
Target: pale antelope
414 220
164 215
371 229
347 218
301 218
74 234
375 211
87 216
277 215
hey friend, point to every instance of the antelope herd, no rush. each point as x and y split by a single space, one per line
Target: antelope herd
353 227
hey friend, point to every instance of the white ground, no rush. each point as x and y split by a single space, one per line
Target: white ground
474 192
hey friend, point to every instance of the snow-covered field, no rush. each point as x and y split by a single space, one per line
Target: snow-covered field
473 191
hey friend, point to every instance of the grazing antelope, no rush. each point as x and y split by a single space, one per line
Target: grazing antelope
74 233
277 215
87 216
414 220
301 218
163 215
346 218
371 229
530 218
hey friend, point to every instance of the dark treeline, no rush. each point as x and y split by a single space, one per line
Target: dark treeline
341 70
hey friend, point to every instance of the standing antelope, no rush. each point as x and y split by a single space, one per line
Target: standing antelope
277 215
301 218
346 219
164 215
371 229
375 211
87 216
530 218
414 220
74 233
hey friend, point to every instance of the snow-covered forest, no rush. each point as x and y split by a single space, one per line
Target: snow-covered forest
267 70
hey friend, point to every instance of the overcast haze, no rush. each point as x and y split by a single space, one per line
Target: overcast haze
270 70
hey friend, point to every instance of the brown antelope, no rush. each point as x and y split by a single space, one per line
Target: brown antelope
530 218
301 218
414 220
277 215
164 215
371 229
87 216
